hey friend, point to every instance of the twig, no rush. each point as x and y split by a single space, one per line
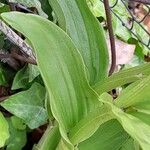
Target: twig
17 57
13 37
24 59
111 36
3 98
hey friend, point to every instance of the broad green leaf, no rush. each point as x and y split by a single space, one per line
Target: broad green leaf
122 77
59 14
28 105
97 7
109 136
87 35
49 140
21 79
142 111
85 128
18 123
134 94
17 139
62 69
33 3
4 130
142 116
63 145
128 145
46 8
143 106
135 127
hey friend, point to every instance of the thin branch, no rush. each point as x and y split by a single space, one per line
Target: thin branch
3 98
111 36
17 40
17 57
24 59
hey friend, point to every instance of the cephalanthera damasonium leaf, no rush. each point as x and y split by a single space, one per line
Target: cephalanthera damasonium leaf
61 67
86 32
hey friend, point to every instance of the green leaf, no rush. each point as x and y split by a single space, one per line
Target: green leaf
87 35
136 128
58 13
142 116
85 128
4 130
50 139
18 123
122 77
21 79
48 107
62 69
33 72
17 138
143 106
97 8
142 111
133 126
2 77
46 8
109 136
28 105
132 95
4 8
33 3
128 145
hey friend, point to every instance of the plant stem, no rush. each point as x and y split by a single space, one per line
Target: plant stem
111 36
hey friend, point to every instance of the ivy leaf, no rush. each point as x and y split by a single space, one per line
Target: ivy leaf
17 139
28 105
4 130
18 123
21 79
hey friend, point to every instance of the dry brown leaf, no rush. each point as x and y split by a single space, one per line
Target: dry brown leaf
124 52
